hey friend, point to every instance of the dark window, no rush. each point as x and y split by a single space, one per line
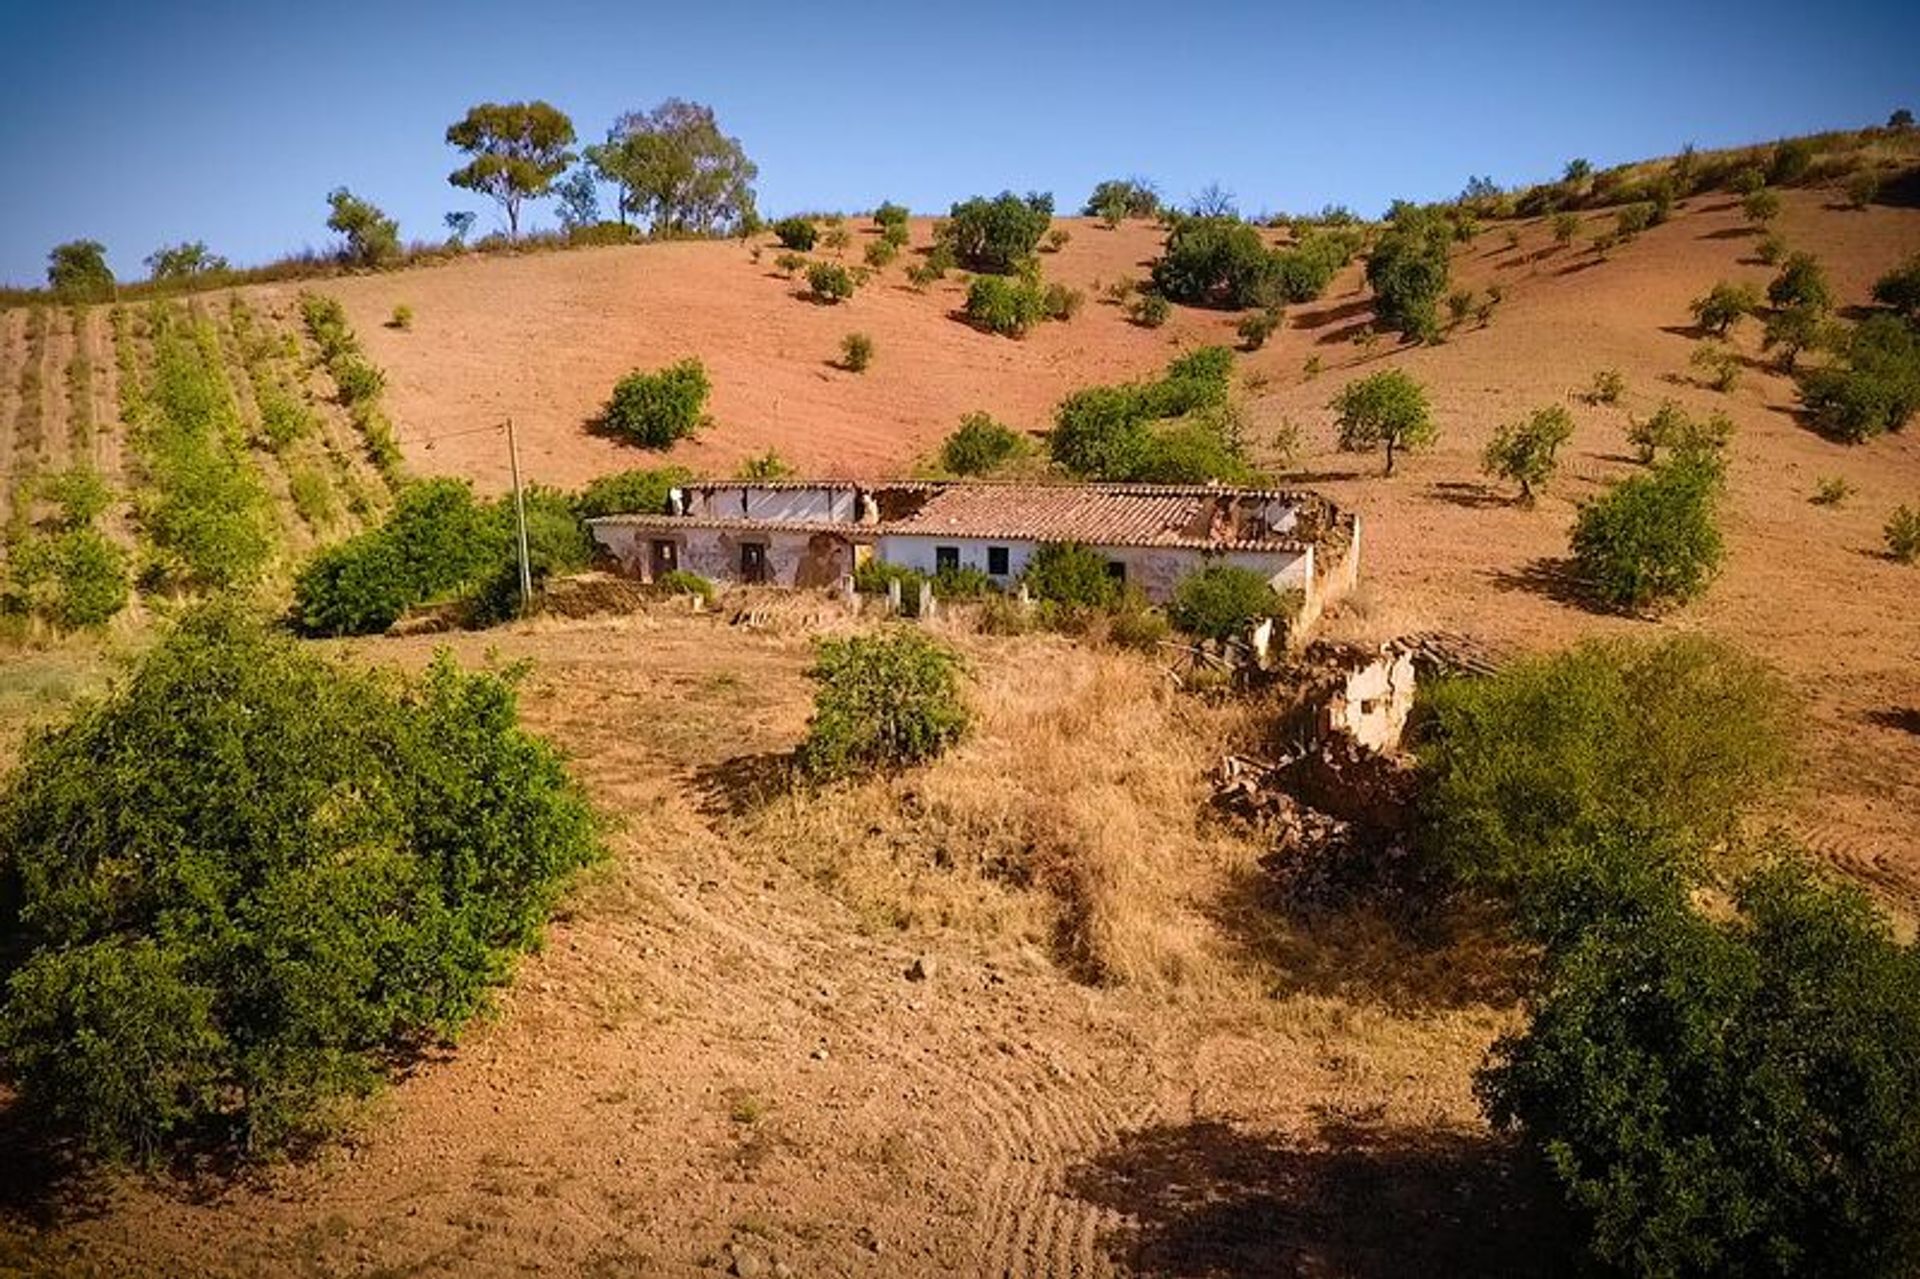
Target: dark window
665 557
753 562
946 558
1116 570
997 561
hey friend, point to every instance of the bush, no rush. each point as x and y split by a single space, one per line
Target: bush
1106 432
1801 282
790 264
1407 271
856 352
1652 539
1150 310
655 410
358 381
766 466
1790 161
1900 289
682 582
1221 601
1761 207
1070 575
1772 249
1732 1095
402 318
1863 188
1903 534
1524 770
1873 387
1565 227
1725 305
890 214
1255 329
981 445
1004 305
1674 430
1385 409
796 233
1608 387
1062 303
79 493
884 702
1120 198
1831 491
1718 364
879 254
1216 262
370 238
829 282
75 578
996 235
1525 451
314 870
436 540
636 492
1058 239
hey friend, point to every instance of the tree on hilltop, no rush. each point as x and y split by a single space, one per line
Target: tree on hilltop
677 170
518 149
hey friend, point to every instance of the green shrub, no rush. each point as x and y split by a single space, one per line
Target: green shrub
1386 409
1070 574
796 233
248 879
1652 539
682 582
1872 387
636 492
981 445
1833 490
996 235
829 282
1761 207
890 214
1725 305
1203 447
1790 161
1801 282
1303 272
655 410
1523 771
1900 289
1407 271
312 497
1772 249
1718 364
1631 219
75 578
1217 262
1676 431
370 238
1150 310
1119 198
79 493
1009 306
879 254
1863 188
856 352
437 542
790 264
1903 534
1608 387
557 543
1134 623
884 702
1062 303
1729 1095
402 318
1565 227
1106 432
1748 180
765 466
836 239
1255 329
1221 601
1525 451
1058 239
359 381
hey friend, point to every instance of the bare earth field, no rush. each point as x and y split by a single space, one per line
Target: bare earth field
1116 1059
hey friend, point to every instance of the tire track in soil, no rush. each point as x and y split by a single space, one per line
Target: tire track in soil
56 408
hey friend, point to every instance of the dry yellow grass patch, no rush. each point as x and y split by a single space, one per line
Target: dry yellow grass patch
1072 819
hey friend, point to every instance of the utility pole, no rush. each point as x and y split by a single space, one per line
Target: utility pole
520 519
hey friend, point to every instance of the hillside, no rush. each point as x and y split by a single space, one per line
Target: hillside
543 337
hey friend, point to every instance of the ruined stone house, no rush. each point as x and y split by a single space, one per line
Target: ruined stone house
813 533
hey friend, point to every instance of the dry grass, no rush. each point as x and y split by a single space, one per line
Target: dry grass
1072 820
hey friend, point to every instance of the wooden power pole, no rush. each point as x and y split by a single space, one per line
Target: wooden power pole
520 519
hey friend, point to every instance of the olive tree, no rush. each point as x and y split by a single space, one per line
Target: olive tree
77 271
1384 410
1525 451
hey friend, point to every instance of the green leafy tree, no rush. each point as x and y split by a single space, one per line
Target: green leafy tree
1725 305
1526 451
459 225
1761 206
1220 601
77 271
518 149
248 879
1903 534
884 702
1407 271
579 197
187 260
1652 539
371 237
1792 330
1802 283
1900 289
1117 199
1007 305
1216 262
634 492
796 233
996 235
981 445
1071 575
1386 410
676 170
829 282
655 410
1874 384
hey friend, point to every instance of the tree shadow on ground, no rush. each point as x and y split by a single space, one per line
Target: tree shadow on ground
1204 1200
1729 233
1328 315
1902 719
744 784
1345 333
1553 577
1321 477
1472 495
43 1180
1574 267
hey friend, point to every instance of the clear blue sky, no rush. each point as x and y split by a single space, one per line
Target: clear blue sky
139 124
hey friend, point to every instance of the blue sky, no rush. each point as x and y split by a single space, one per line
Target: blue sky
145 124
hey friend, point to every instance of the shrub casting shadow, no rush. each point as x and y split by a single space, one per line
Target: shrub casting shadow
1208 1202
1902 719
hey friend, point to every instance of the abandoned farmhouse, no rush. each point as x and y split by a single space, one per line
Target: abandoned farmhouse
815 533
